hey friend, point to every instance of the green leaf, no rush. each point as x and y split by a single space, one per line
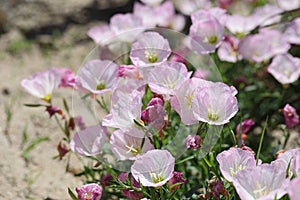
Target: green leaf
66 105
32 145
72 195
34 105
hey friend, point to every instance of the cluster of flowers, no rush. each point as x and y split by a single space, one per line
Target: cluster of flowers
150 89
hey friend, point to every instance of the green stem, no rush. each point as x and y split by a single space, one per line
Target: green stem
261 141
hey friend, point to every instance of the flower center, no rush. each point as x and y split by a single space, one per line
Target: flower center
47 98
212 116
133 150
261 191
151 56
101 86
234 171
88 196
212 39
156 178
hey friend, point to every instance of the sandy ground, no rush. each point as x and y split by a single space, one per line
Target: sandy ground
42 177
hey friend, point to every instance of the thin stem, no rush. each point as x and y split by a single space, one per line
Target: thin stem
261 141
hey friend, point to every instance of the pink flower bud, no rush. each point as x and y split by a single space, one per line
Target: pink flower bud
290 115
176 178
89 192
106 180
246 126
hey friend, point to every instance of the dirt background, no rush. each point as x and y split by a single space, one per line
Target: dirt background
34 36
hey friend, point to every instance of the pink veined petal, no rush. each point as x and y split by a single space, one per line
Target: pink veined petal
154 168
89 142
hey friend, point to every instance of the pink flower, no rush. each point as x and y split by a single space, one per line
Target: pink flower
293 189
42 84
98 76
215 103
285 68
150 49
165 78
292 33
68 78
154 168
235 160
290 159
89 142
101 35
214 12
182 100
126 107
193 142
206 33
240 25
228 50
127 144
126 27
155 114
246 126
264 182
130 71
161 15
187 7
263 46
90 191
291 117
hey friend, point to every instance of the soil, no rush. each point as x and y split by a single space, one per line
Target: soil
39 176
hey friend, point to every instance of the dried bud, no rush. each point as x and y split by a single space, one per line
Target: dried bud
63 149
193 142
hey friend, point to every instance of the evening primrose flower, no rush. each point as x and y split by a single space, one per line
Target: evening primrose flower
206 35
285 68
101 35
161 15
154 168
263 46
241 25
182 100
125 108
98 76
233 161
155 115
150 49
165 78
90 191
228 50
126 27
290 159
42 84
89 142
215 103
263 182
127 144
